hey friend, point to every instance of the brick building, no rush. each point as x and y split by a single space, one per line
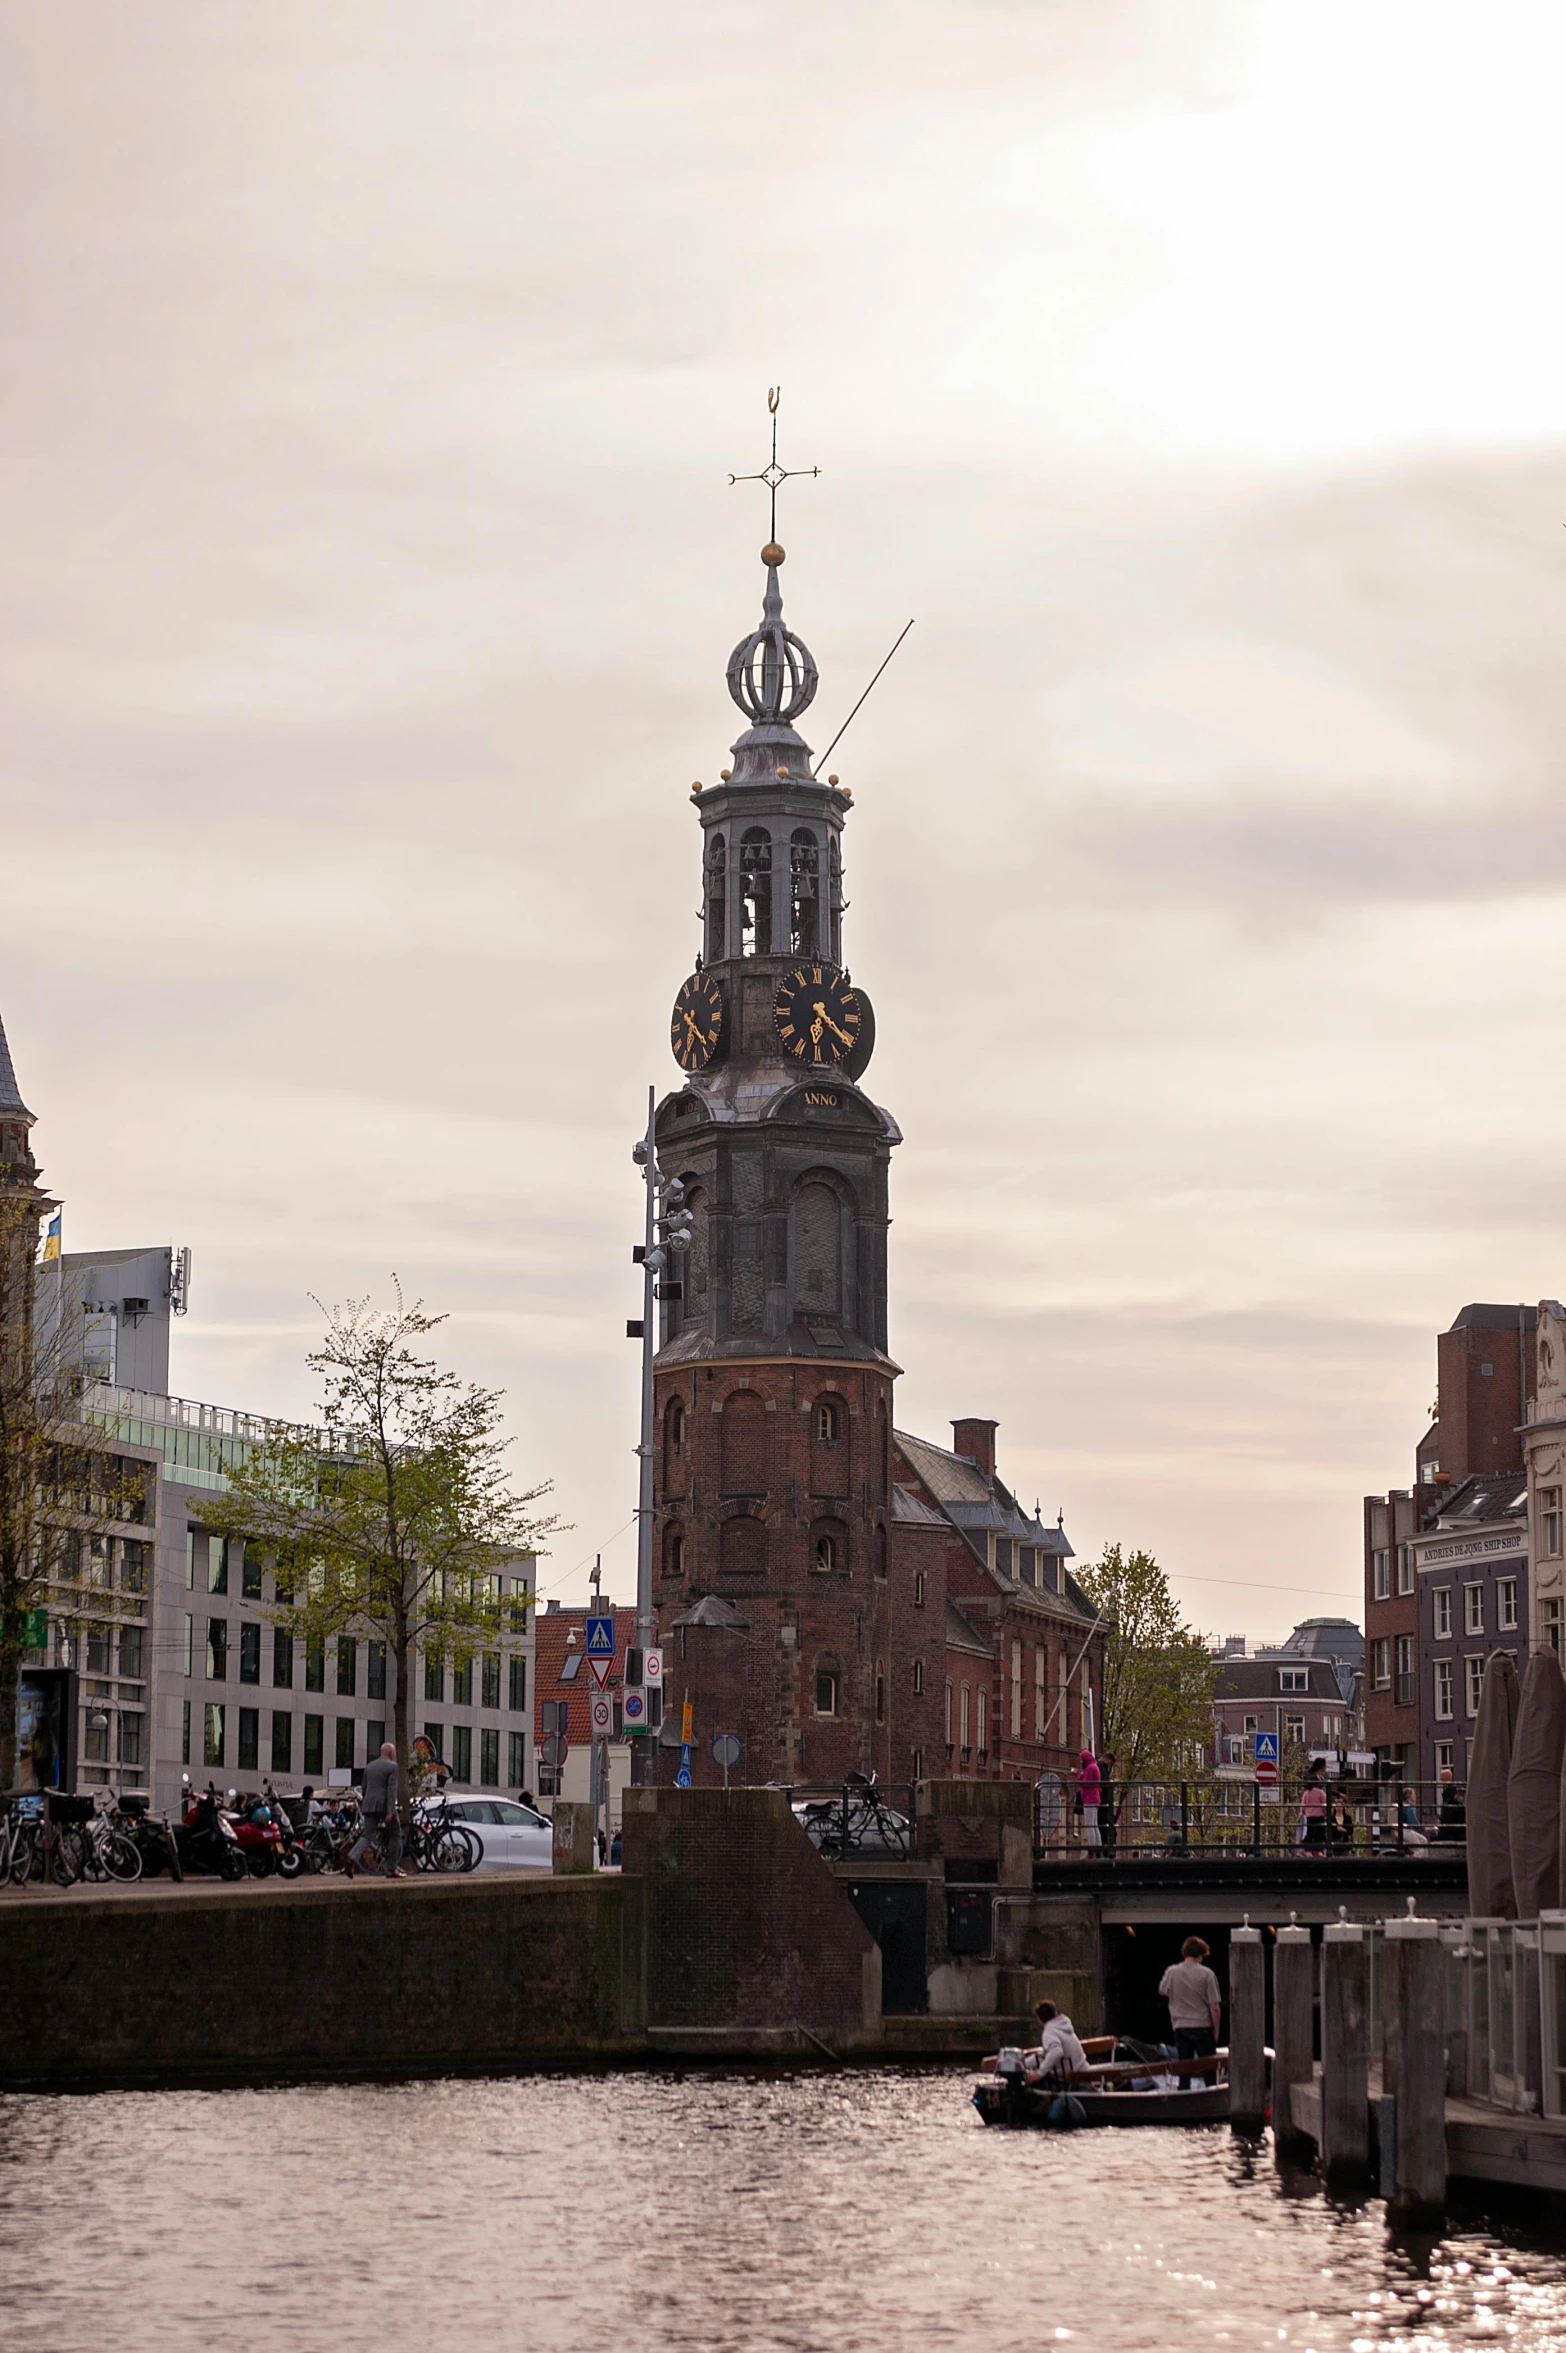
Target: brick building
800 1559
1486 1378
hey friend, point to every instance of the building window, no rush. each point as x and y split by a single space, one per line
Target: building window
516 1689
347 1667
462 1752
217 1564
189 1647
462 1684
375 1670
948 1718
918 1678
250 1576
1016 1689
315 1666
673 1552
826 1552
314 1746
1381 1663
827 1423
570 1666
249 1653
434 1738
1506 1605
880 1693
1381 1574
918 1589
131 1652
1405 1671
212 1734
1550 1624
1473 1609
1549 1522
434 1675
826 1693
1443 1691
190 1563
1405 1568
964 1720
1003 1555
100 1648
374 1737
132 1735
516 1759
217 1650
1294 1678
917 1765
282 1658
249 1756
982 1722
1235 1747
282 1741
1443 1756
1442 1598
489 1758
489 1686
344 1740
1474 1671
1294 1731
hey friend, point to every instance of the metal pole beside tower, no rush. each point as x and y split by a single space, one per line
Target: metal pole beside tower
644 1493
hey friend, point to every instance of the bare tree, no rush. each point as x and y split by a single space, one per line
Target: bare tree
394 1520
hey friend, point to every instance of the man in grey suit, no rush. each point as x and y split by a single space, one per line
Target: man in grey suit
379 1804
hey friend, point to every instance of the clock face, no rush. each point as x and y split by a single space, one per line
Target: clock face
696 1024
817 1015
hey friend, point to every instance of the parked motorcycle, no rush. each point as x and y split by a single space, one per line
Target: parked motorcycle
290 1852
205 1836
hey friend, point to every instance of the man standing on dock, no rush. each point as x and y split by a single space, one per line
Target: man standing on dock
1195 2004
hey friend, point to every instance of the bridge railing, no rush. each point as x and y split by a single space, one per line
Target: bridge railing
1234 1814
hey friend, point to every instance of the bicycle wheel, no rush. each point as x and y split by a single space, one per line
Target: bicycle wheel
64 1864
474 1845
121 1856
24 1854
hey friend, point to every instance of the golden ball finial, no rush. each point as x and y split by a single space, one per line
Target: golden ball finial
725 774
772 553
696 788
831 780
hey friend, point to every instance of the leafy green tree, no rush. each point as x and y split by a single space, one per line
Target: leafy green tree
395 1519
1159 1675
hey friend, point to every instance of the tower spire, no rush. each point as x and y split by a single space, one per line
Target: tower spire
10 1094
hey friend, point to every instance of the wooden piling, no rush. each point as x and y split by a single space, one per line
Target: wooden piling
1293 2038
1414 2024
1345 2054
1247 2031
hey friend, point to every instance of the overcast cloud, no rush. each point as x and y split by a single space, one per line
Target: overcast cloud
1194 373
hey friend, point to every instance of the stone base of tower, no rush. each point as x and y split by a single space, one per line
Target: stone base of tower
785 1609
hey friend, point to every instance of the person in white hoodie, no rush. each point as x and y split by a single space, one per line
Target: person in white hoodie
1059 2051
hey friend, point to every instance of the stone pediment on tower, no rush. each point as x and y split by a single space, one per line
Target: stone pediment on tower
829 1103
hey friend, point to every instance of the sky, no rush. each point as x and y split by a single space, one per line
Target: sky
1194 374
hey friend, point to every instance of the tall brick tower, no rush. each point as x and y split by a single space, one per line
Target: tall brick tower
773 1386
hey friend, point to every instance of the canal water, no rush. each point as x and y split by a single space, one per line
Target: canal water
817 2213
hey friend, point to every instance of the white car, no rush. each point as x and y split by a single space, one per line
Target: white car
513 1836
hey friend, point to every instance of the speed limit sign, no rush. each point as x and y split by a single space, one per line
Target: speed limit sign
601 1715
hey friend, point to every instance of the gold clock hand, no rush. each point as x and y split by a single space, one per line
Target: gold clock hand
832 1026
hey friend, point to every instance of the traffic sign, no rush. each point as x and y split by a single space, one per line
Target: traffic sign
554 1749
1266 1773
652 1670
600 1638
601 1715
687 1720
602 1670
725 1749
682 1779
633 1710
1266 1748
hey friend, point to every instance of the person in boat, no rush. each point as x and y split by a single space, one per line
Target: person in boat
1195 2004
1059 2051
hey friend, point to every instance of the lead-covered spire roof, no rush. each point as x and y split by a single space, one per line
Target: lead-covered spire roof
10 1093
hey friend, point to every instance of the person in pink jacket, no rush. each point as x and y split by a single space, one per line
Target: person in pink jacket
1090 1782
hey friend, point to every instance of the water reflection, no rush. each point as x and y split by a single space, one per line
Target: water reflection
812 2214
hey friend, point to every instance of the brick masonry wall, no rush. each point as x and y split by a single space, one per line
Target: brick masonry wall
747 1927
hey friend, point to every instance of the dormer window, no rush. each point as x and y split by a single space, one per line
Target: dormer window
1294 1678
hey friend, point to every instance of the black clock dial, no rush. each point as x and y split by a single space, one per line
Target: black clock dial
817 1014
696 1024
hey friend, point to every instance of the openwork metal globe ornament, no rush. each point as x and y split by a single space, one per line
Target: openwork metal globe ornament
772 673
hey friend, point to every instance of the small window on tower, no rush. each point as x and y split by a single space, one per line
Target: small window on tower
756 892
804 873
826 1694
826 1423
826 1553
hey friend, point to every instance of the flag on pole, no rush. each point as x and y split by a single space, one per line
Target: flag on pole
51 1248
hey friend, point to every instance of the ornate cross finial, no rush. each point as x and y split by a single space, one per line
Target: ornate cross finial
774 475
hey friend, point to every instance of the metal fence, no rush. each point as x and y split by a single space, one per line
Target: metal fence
1234 1814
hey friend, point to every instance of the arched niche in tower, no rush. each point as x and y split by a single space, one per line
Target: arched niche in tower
742 1547
816 1222
755 891
742 1452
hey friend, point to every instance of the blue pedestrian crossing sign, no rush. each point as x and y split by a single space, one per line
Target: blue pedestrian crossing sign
600 1638
1266 1748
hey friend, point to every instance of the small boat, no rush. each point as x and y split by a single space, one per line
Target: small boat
1126 2082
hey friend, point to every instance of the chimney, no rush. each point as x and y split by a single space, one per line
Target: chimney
975 1442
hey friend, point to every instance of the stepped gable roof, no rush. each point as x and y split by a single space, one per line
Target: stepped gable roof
10 1093
963 1634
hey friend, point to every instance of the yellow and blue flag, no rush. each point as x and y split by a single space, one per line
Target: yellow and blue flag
51 1248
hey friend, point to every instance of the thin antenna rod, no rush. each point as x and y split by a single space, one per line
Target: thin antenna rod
859 706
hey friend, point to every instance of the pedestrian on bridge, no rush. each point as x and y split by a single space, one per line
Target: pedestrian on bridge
1195 2003
1090 1783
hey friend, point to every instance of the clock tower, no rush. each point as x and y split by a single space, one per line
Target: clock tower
772 1382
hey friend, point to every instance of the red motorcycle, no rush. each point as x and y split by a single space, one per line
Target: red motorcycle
261 1842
